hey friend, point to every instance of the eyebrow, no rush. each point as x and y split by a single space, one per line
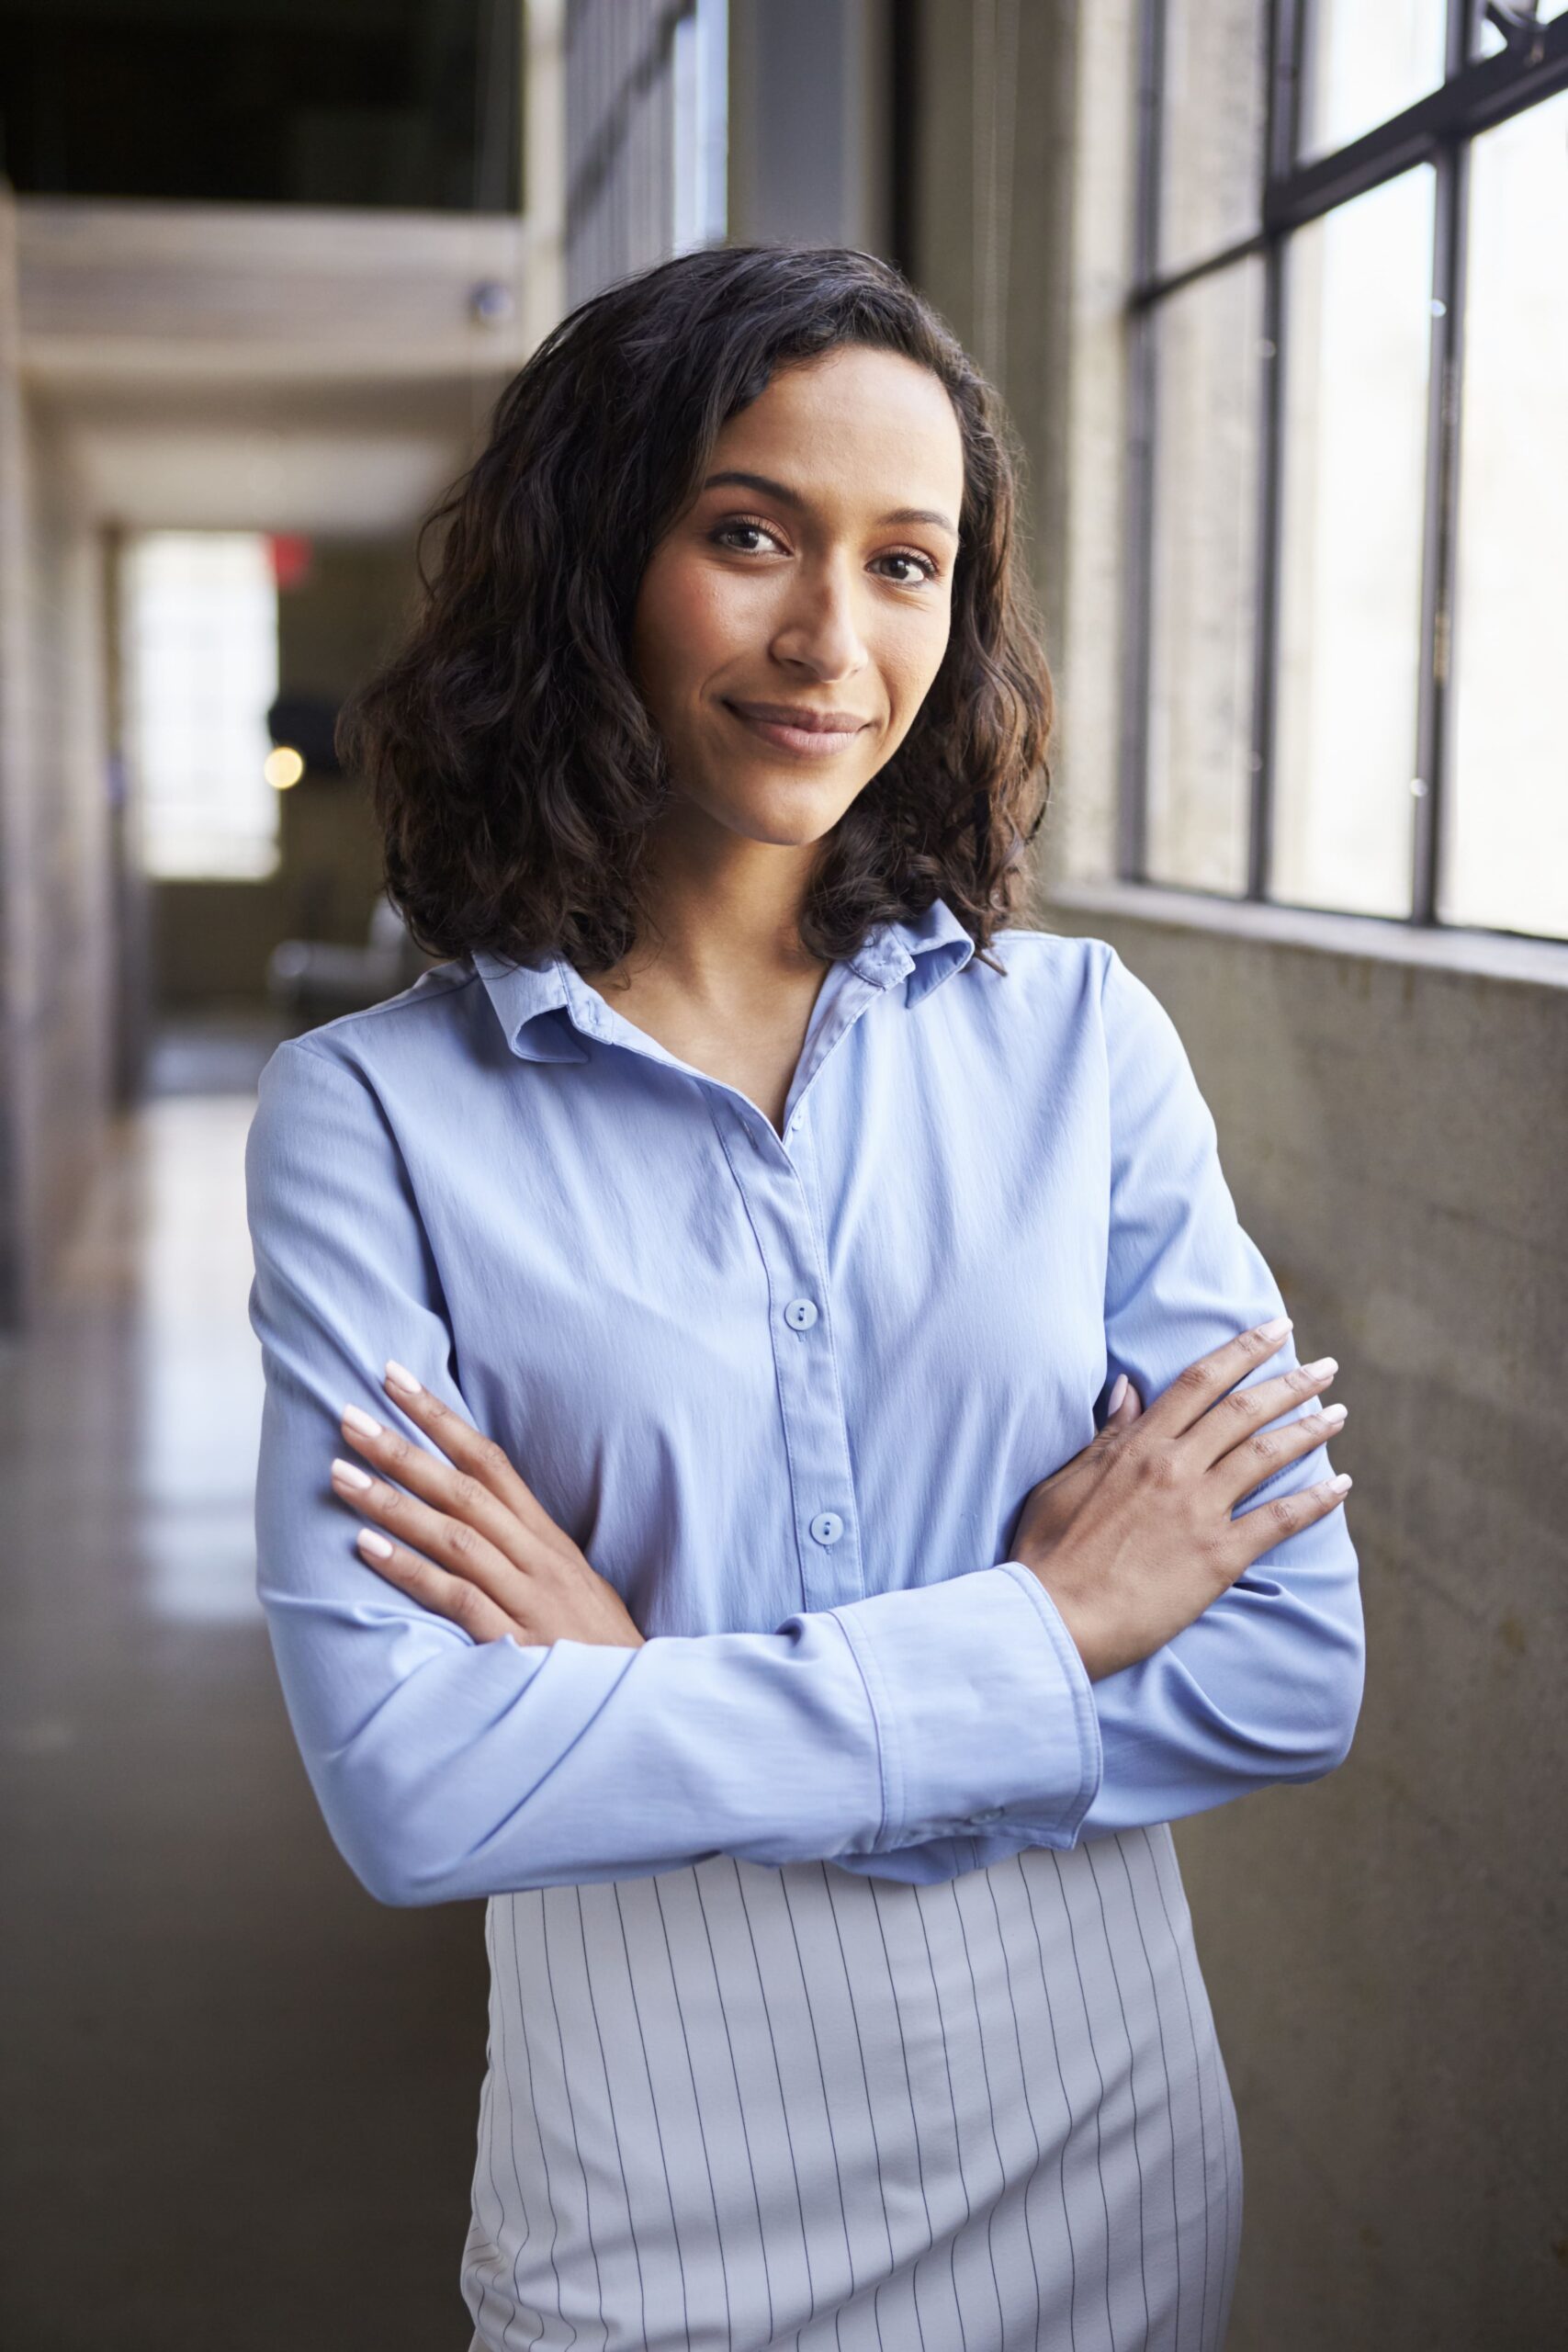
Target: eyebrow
787 497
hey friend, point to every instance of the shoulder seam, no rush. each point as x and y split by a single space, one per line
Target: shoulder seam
403 1002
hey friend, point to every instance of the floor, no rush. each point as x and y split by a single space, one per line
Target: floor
238 2098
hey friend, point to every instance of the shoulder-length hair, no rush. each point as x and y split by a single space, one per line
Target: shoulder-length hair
515 769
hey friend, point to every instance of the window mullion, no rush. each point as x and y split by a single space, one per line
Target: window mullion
1266 616
1132 847
1286 33
1440 548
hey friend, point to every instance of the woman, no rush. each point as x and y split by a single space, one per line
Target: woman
753 1223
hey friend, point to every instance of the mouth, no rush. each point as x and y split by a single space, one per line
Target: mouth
790 727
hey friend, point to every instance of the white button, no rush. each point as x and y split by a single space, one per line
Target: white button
800 1315
827 1527
987 1813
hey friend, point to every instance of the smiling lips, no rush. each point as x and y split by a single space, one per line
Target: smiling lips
793 728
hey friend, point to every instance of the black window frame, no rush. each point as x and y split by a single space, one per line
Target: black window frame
1477 93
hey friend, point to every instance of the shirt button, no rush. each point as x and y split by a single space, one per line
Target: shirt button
800 1315
827 1527
987 1813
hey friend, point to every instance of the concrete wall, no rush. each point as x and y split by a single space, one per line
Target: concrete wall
1384 1948
57 1026
810 89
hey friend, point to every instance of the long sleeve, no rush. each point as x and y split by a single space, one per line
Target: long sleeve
448 1769
1266 1685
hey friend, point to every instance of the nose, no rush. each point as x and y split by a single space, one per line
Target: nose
820 629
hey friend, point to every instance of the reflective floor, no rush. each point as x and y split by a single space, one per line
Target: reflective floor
238 2098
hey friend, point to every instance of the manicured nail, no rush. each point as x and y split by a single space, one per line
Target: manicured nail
1341 1484
1275 1331
349 1474
1117 1394
370 1542
1322 1368
1334 1413
353 1418
399 1377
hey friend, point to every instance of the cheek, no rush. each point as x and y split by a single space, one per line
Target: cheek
910 662
692 619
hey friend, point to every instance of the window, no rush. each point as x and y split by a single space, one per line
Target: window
700 87
1350 467
200 656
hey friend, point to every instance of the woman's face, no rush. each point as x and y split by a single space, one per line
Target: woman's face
790 623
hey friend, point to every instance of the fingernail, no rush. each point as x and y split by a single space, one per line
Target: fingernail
1322 1368
399 1377
1334 1413
1275 1331
1341 1484
370 1542
354 1419
1117 1394
349 1474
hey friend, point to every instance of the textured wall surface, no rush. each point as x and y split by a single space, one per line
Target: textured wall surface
1384 1949
56 1018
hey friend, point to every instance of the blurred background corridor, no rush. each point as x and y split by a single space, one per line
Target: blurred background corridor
1277 292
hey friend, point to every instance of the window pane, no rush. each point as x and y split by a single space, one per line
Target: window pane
1364 63
699 88
1211 127
200 672
1506 818
1205 556
1359 324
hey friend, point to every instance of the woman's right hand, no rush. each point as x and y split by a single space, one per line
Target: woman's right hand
1134 1538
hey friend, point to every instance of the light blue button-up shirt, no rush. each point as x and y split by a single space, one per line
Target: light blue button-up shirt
788 1392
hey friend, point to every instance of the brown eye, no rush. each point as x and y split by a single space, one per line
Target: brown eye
723 536
925 569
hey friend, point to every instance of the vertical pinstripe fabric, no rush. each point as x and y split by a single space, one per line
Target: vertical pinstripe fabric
738 2107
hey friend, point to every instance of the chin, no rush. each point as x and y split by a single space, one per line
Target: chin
789 814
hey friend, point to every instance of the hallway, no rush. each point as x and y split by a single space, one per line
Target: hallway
239 2099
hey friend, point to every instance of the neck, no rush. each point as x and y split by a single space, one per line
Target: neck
725 918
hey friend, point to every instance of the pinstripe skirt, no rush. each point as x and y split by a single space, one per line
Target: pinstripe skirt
738 2107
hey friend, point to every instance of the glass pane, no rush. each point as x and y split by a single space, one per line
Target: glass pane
1212 90
1204 557
1364 63
1506 818
1359 328
1488 41
200 674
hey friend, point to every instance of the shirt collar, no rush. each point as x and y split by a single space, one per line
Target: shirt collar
544 1004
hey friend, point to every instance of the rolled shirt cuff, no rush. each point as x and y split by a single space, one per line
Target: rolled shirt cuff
983 1708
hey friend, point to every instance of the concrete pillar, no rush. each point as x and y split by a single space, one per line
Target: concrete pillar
810 128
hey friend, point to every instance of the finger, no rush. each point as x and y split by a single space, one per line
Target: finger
1125 1404
1255 1531
440 1483
480 1457
1191 1393
451 1596
1235 1417
1257 1458
454 1543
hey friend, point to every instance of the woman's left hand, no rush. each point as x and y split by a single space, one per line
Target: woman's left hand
469 1539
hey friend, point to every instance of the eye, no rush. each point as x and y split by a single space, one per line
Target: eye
926 569
724 536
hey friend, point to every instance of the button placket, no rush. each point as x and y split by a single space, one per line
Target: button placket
810 1402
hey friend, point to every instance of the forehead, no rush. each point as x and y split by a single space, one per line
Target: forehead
868 426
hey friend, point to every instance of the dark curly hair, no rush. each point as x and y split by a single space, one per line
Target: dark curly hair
515 769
